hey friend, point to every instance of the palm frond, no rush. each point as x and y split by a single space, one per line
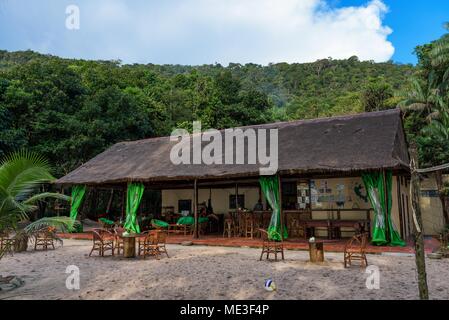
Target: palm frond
21 173
416 106
440 52
64 224
46 195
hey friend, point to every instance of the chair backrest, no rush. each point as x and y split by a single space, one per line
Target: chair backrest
99 234
152 237
264 234
119 231
358 241
161 237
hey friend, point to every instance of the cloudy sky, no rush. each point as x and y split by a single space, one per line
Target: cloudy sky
209 31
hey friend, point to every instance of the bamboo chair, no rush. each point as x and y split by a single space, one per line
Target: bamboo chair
103 240
119 245
140 240
6 243
249 227
355 249
44 239
149 246
271 246
161 242
229 227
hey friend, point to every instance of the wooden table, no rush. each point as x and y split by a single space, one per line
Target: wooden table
129 245
316 252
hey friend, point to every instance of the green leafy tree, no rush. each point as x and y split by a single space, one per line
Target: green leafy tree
21 175
376 95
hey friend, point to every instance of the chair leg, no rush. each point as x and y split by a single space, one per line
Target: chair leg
261 255
365 260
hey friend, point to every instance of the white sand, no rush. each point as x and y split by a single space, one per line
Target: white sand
201 272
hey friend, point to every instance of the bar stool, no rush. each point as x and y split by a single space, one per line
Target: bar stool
249 226
228 227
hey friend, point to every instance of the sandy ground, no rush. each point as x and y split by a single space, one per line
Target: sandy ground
201 272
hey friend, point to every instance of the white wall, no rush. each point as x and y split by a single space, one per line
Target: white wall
220 198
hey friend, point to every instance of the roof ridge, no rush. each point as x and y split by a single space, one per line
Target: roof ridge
286 123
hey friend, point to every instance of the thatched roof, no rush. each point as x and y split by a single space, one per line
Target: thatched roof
366 141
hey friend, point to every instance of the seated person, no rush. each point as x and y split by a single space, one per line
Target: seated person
258 206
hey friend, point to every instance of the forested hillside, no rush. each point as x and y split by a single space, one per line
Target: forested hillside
70 110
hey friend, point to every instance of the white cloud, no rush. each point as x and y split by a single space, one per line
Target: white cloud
208 31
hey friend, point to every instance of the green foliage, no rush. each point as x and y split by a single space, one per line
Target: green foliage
21 175
426 103
375 96
71 110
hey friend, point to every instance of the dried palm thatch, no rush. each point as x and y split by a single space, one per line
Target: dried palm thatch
361 142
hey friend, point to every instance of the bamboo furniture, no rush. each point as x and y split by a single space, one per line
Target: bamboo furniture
249 226
270 246
228 227
103 240
119 243
180 229
355 249
6 243
161 242
44 239
149 246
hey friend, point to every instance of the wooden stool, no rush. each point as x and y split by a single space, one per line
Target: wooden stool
228 227
249 227
316 252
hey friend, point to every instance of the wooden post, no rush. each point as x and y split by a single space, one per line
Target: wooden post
237 220
236 198
196 233
387 217
401 218
418 227
108 208
440 186
123 203
281 213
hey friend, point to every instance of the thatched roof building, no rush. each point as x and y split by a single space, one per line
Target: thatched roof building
345 144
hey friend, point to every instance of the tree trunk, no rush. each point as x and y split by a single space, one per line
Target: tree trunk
440 186
196 233
418 228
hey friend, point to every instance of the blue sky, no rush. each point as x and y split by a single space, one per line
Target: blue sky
413 22
210 31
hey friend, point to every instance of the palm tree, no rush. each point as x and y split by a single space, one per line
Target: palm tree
440 56
421 97
429 103
21 175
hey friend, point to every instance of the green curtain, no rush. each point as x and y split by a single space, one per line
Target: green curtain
270 188
134 195
77 198
395 237
376 188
